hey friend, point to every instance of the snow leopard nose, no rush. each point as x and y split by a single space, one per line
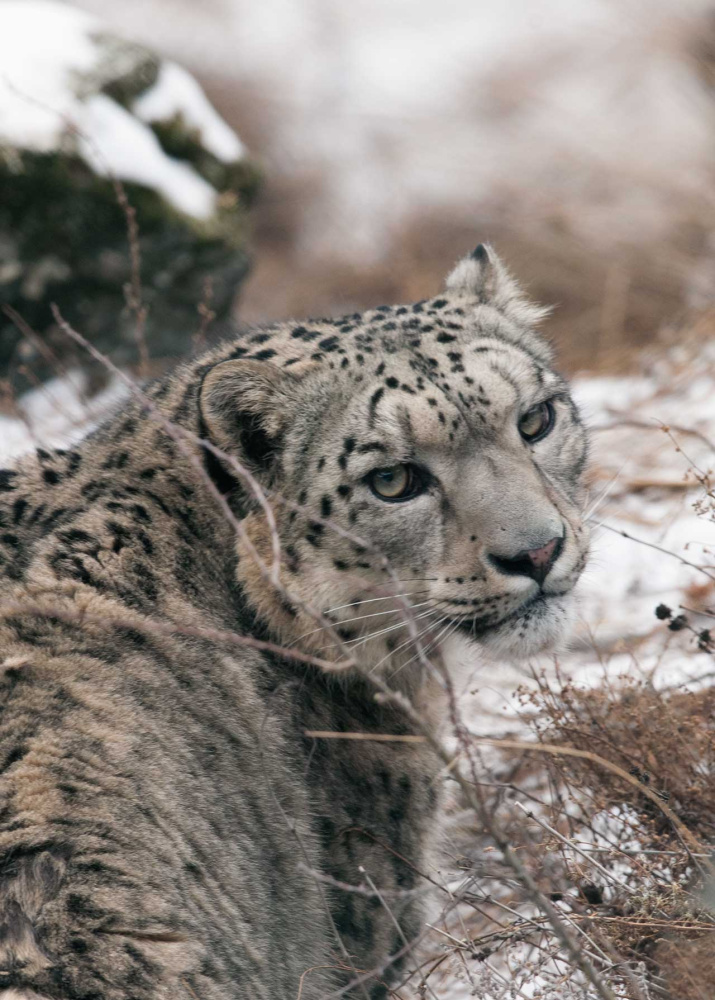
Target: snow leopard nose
534 563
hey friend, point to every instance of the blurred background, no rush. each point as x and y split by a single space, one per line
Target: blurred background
382 140
578 135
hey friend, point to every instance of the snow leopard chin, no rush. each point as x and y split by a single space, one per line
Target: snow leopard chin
543 627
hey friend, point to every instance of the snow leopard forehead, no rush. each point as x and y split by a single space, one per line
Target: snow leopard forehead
442 368
480 300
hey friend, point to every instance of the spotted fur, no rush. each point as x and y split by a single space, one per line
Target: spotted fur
161 808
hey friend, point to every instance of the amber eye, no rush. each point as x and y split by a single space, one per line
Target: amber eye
537 422
398 482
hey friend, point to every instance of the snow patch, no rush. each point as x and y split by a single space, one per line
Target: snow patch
115 144
43 45
56 415
49 52
176 92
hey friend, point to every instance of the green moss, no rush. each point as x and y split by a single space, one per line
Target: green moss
128 87
125 71
177 139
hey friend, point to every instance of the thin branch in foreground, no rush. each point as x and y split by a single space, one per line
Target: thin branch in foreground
135 621
658 548
549 748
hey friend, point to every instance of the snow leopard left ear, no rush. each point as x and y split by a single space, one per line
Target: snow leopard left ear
245 407
483 276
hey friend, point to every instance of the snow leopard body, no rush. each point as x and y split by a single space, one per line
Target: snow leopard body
168 828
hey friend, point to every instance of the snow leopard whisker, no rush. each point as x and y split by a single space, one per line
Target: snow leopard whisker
412 638
448 629
371 600
360 640
407 642
390 628
605 493
359 618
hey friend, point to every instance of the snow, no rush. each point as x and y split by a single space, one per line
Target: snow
49 52
114 143
176 92
55 415
43 43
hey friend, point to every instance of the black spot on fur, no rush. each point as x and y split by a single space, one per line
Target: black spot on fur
292 558
374 400
18 510
16 754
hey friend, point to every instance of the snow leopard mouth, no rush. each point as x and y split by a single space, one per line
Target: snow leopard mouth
477 627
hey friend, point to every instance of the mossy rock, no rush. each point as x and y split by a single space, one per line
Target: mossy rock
64 232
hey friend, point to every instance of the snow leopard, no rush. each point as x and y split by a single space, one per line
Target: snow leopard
227 567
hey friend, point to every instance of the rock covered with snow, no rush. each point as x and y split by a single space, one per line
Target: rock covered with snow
80 110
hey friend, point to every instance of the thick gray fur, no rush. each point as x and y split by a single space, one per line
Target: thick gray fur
167 829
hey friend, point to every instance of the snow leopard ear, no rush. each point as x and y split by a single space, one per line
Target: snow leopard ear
483 276
245 409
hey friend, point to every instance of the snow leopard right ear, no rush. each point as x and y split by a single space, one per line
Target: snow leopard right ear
245 409
483 276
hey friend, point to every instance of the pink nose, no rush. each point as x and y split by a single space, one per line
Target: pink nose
535 563
543 556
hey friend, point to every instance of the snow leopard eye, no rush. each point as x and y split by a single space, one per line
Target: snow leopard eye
397 482
536 423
